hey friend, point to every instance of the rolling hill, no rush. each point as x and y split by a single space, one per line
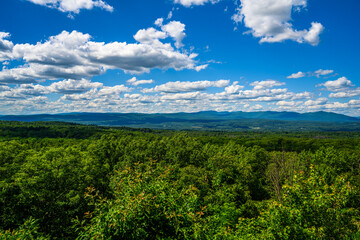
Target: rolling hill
207 120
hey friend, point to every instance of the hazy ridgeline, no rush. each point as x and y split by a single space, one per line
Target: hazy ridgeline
67 181
208 120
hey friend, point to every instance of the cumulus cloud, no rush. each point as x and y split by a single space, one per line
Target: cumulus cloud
177 87
174 29
72 6
341 88
302 95
337 85
105 92
262 94
135 82
182 96
270 20
354 102
119 99
72 55
19 75
149 36
4 88
62 87
346 94
73 86
325 104
319 101
189 3
296 75
24 91
5 46
84 95
234 88
286 103
258 85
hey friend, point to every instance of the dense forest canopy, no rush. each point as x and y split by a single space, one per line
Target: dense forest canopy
70 181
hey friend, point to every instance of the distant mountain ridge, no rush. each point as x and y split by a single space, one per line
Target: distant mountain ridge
117 119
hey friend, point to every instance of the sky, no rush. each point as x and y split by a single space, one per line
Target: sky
162 56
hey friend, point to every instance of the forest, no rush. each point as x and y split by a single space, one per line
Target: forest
71 181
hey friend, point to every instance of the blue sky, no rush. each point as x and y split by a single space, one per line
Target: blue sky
179 56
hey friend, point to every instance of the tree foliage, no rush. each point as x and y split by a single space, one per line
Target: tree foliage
99 183
309 209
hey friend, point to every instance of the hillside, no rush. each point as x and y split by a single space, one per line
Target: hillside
209 120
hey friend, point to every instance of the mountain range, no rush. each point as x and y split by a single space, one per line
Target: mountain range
206 120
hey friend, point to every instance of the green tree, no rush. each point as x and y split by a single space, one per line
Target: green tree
310 209
146 205
27 231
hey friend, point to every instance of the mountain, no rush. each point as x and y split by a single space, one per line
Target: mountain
207 120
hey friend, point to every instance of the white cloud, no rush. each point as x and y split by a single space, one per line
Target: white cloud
322 72
181 96
256 107
235 92
201 67
319 101
74 86
258 93
170 15
29 98
341 88
4 88
354 102
270 20
150 35
73 6
94 94
5 46
24 91
159 22
135 82
296 75
62 87
115 90
189 3
286 103
313 35
317 73
234 88
346 94
274 98
74 56
337 85
336 106
174 29
23 74
258 85
303 95
177 87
